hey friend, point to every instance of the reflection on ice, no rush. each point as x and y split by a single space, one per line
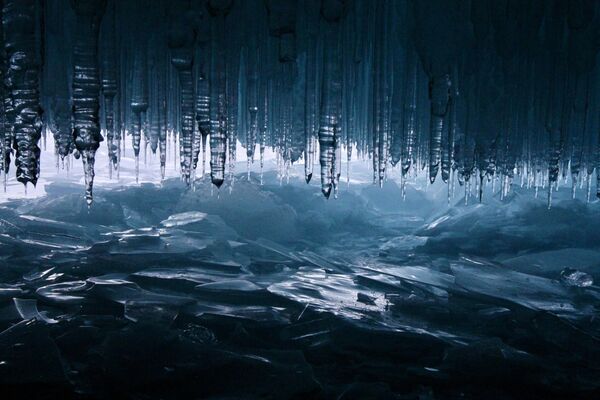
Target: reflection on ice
572 277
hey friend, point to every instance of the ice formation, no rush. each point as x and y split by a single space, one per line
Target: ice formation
85 95
443 127
21 86
471 91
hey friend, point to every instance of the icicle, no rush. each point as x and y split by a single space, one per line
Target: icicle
330 118
440 95
203 106
311 94
410 101
139 101
86 86
22 82
428 86
218 88
6 125
181 41
109 85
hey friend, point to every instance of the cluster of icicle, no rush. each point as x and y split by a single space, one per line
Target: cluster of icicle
472 91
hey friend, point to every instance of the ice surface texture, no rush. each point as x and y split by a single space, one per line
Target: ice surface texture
475 92
162 292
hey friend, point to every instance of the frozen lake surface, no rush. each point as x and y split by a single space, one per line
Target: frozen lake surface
274 292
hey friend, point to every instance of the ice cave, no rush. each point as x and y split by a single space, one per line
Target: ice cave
300 199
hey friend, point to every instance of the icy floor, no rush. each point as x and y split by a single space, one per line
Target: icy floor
273 292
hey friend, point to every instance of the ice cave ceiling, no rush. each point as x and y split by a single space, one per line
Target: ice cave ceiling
458 90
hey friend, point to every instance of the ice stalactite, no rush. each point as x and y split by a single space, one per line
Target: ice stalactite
203 104
162 118
160 96
297 109
450 133
234 77
331 97
312 75
187 125
86 86
58 72
437 57
488 95
398 81
440 95
555 112
582 51
139 103
410 113
218 90
6 129
381 90
154 126
181 43
154 74
266 90
202 64
123 108
288 115
158 102
252 88
109 86
22 81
